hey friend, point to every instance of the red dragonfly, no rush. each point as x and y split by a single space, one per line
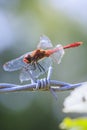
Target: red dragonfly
38 61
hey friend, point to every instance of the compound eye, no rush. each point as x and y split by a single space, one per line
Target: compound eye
27 59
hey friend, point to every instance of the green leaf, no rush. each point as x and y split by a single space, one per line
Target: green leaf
74 124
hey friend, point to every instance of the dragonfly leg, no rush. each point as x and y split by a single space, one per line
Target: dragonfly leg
33 66
41 68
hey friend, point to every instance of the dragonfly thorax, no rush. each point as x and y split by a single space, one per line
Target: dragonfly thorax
35 56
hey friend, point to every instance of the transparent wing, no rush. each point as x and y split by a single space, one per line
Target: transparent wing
25 74
45 64
34 70
57 56
15 64
44 42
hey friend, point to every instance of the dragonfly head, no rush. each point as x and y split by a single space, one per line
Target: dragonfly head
27 59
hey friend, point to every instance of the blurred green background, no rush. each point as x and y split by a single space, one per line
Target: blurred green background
21 24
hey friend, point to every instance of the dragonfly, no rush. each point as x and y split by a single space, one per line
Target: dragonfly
37 62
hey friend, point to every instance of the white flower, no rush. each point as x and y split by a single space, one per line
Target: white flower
77 100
